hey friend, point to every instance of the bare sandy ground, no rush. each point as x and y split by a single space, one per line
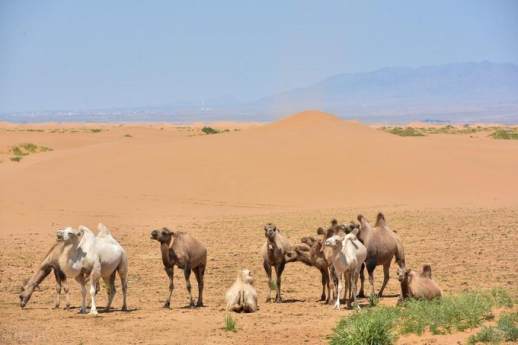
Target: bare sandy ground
452 198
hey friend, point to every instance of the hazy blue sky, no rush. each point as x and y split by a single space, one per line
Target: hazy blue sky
93 54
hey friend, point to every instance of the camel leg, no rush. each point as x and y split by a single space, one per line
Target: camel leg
278 271
354 278
82 282
386 276
93 292
58 288
339 292
123 275
371 281
110 284
361 294
324 282
64 282
200 272
268 269
187 275
170 274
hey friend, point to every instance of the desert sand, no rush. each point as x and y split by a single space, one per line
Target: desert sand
452 198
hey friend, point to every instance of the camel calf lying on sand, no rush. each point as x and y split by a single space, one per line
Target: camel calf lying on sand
182 250
418 285
277 252
89 257
348 256
242 297
49 263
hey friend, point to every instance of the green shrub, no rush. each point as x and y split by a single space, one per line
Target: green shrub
16 158
505 330
209 130
505 134
486 335
372 326
508 325
230 324
404 132
373 300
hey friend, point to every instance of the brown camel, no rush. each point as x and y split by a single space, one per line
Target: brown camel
382 245
277 252
49 263
310 253
418 285
184 251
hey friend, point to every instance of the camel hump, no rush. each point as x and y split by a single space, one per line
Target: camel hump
427 271
102 230
380 219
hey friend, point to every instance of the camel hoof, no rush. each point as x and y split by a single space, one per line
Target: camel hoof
361 295
199 305
67 307
278 300
268 300
93 312
167 305
124 308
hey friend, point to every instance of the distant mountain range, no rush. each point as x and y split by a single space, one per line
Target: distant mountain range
461 92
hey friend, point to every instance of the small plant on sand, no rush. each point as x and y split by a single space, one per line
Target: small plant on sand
16 158
128 136
209 130
230 324
373 300
95 130
273 286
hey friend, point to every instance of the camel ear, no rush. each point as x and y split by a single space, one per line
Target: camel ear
168 231
360 218
427 271
321 231
334 222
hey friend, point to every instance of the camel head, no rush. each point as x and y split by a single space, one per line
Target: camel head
334 222
69 234
426 271
334 241
25 295
246 276
405 274
162 235
270 230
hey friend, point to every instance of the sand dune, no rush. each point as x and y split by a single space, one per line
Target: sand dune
307 160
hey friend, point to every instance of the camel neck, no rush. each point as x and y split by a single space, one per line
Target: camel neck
165 247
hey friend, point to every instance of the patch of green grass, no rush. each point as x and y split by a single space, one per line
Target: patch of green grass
404 131
372 326
16 158
381 325
505 330
209 130
273 286
230 324
505 134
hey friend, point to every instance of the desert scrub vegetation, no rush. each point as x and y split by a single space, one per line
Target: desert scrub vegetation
382 325
209 130
505 134
404 131
21 150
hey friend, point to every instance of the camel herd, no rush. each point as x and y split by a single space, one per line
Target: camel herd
341 253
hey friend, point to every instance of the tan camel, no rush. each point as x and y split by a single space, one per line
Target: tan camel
382 245
49 263
277 252
418 285
242 297
182 250
310 253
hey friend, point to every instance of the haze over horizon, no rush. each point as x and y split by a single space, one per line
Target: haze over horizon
63 56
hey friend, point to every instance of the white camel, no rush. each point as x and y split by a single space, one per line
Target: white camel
348 256
87 257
